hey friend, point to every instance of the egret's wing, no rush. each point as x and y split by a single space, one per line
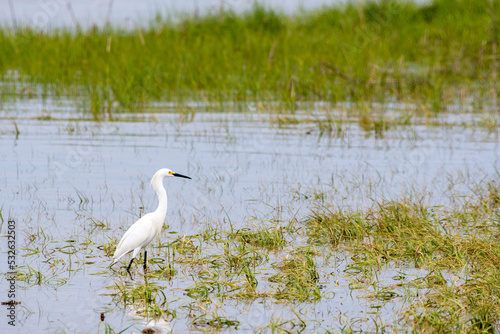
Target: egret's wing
138 235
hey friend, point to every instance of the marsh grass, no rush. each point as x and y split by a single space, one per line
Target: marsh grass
270 238
458 247
431 55
214 322
454 249
299 276
150 297
234 265
438 265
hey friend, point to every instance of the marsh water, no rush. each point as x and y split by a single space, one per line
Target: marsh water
72 185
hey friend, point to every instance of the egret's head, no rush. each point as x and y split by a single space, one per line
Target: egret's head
165 172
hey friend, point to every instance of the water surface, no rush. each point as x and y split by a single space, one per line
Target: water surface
73 185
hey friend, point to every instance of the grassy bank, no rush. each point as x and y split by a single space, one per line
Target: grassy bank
429 55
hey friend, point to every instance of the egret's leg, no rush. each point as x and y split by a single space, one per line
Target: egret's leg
145 259
128 268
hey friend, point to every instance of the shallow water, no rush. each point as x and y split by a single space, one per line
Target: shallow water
63 176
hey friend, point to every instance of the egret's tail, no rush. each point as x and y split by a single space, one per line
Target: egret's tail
117 256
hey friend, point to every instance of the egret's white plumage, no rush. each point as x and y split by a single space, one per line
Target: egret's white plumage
143 231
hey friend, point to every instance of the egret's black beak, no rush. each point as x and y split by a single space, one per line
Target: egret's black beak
180 175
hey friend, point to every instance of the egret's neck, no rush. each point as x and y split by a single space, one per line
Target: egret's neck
162 198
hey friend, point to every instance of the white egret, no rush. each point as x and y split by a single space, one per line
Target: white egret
140 234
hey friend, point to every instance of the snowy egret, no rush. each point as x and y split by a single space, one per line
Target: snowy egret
140 234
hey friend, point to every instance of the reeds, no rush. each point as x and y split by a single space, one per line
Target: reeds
430 55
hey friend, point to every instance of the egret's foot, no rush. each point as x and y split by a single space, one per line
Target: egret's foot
128 269
130 275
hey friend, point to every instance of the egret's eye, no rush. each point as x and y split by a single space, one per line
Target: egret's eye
171 173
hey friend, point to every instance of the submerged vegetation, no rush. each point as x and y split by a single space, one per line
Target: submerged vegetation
457 247
438 266
454 249
430 55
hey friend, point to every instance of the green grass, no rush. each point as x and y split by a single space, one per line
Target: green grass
457 246
452 251
299 276
428 55
271 238
414 266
